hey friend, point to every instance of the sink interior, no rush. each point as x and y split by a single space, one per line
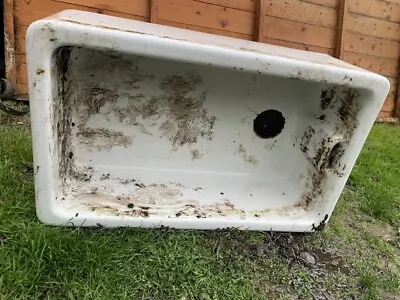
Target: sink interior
141 137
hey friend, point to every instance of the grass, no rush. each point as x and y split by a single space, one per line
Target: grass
357 255
378 171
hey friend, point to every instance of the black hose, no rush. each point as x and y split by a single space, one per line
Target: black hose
5 91
12 111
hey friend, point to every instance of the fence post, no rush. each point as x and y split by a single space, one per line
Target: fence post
260 20
342 13
154 11
396 112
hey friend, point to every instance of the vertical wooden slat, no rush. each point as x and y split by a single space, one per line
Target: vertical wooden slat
154 11
260 20
9 43
396 111
342 13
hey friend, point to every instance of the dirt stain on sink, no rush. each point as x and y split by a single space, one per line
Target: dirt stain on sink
250 159
182 107
178 112
326 155
102 138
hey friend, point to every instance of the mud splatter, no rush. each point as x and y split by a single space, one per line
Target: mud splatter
62 111
348 111
251 159
335 155
270 145
93 100
105 177
321 225
326 98
305 140
81 172
181 84
155 199
313 188
196 154
222 209
326 154
187 119
102 138
94 95
126 181
180 109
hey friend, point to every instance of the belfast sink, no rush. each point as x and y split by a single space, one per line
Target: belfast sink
137 124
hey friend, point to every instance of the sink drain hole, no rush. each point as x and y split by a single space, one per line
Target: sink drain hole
269 124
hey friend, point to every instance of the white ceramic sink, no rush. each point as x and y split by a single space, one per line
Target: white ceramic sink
136 124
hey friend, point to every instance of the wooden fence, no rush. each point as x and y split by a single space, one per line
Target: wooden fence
365 33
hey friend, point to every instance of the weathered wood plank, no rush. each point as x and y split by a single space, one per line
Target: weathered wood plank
204 15
382 65
372 27
137 7
208 30
383 115
246 5
292 31
300 11
342 14
379 9
371 45
21 88
21 72
328 3
20 58
20 32
260 20
28 12
9 42
154 12
298 46
396 111
389 104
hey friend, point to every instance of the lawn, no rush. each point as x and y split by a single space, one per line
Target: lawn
356 256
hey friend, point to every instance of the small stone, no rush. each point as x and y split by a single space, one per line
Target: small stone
308 258
388 238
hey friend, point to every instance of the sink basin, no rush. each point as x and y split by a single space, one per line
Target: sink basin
137 124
